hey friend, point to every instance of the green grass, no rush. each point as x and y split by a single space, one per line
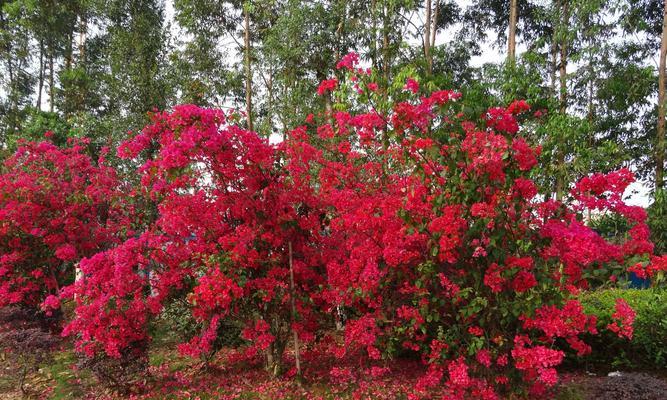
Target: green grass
63 378
164 356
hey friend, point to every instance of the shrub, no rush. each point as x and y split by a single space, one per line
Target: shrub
648 347
438 241
420 220
56 207
229 209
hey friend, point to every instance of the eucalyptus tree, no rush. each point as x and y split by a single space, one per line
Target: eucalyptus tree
221 31
15 77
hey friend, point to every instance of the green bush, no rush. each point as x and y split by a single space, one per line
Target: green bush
648 347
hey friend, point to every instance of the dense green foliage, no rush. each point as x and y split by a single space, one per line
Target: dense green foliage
648 347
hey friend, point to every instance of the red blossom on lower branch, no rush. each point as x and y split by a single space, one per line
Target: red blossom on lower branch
624 318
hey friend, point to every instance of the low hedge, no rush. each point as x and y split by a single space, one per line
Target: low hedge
648 347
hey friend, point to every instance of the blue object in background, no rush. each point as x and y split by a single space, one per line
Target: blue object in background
639 283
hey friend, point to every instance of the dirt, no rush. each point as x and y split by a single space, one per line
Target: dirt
623 386
630 386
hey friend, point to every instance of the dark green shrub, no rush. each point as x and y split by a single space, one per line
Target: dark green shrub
648 347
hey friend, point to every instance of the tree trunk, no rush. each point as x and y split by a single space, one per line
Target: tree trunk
269 89
23 374
591 92
660 135
70 48
385 45
328 109
83 30
563 57
434 29
274 357
51 88
427 38
374 32
297 358
40 82
12 81
248 71
385 66
554 66
511 36
339 32
560 159
8 49
590 139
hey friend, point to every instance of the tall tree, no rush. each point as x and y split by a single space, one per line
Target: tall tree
511 34
660 138
136 57
483 17
428 24
15 77
199 70
248 69
225 29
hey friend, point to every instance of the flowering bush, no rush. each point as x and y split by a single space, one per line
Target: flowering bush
229 207
423 228
439 244
56 207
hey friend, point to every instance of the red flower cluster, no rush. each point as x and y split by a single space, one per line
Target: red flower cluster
566 323
349 61
648 270
56 207
328 85
411 85
536 362
624 317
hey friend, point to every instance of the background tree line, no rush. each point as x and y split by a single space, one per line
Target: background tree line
593 70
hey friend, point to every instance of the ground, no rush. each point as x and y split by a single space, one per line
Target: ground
174 377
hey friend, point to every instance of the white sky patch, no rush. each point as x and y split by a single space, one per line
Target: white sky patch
637 194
